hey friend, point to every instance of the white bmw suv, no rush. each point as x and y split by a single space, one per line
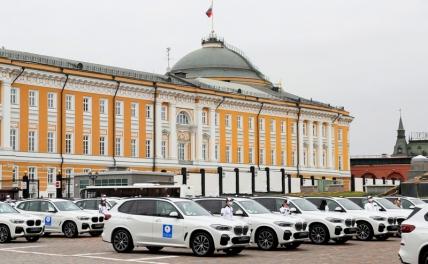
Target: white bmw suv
63 216
172 222
414 237
268 230
14 224
323 226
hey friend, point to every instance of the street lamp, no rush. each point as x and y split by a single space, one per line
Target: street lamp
93 177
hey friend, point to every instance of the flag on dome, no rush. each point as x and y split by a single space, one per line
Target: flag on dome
209 12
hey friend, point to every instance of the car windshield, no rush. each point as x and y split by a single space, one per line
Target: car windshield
349 205
304 205
386 204
7 209
253 207
67 206
191 208
416 201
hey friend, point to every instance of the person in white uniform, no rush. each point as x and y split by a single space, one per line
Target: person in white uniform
371 205
227 211
285 208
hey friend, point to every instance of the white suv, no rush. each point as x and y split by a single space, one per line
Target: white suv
268 230
323 226
414 237
172 222
13 224
63 216
369 224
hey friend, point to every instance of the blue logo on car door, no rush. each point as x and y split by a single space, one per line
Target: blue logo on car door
48 221
167 231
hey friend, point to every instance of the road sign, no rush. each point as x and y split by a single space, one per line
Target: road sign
58 184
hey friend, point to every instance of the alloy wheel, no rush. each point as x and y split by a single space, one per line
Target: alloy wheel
201 244
363 232
318 235
121 241
265 239
4 234
70 229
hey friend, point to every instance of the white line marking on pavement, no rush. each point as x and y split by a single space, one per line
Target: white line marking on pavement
38 253
12 248
88 254
152 258
124 260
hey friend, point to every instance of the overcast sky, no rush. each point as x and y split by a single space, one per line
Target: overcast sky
367 55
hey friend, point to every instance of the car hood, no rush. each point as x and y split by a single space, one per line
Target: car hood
364 213
215 220
80 213
277 217
12 216
400 212
325 215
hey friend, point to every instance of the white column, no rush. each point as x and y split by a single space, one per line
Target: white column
212 134
329 147
300 142
311 143
198 138
6 115
173 134
320 149
158 126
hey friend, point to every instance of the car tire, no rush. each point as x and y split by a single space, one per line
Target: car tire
266 239
154 249
32 238
4 234
95 233
364 231
122 241
293 245
202 244
318 234
423 257
341 240
233 251
382 237
69 228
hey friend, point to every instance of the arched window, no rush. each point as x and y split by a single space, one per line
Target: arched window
182 118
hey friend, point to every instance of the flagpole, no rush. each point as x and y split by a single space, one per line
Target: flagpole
212 16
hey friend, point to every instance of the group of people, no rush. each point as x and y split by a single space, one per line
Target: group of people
227 211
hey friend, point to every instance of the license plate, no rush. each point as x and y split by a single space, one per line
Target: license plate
34 229
242 239
98 225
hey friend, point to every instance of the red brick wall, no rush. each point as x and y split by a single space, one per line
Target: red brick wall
389 171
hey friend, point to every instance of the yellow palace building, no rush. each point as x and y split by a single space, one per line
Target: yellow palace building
213 109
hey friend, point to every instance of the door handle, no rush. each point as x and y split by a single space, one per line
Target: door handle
158 220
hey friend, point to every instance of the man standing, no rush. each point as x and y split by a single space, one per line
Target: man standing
227 211
371 205
285 208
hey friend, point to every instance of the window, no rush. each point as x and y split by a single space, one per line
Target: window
51 100
272 126
102 145
283 158
31 141
13 137
133 147
314 130
86 145
149 111
32 98
228 154
148 148
68 143
118 108
228 121
250 155
118 146
305 157
204 118
294 157
305 132
204 151
324 130
324 158
15 173
86 104
163 209
32 173
103 104
216 119
134 110
239 122
69 102
340 163
51 142
250 123
294 128
180 151
13 96
163 113
163 150
272 157
51 174
261 124
314 158
216 152
283 127
239 155
183 118
339 136
262 156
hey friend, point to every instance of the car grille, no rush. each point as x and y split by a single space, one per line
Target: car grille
95 219
300 226
348 222
101 219
30 222
354 222
390 220
38 222
400 220
305 225
238 230
245 230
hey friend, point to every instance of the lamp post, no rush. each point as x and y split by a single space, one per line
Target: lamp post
93 177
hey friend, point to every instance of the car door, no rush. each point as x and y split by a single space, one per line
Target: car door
168 230
50 216
140 217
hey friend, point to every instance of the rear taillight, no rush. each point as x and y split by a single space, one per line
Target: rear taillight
407 228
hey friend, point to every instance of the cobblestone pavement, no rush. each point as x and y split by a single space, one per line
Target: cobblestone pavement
57 249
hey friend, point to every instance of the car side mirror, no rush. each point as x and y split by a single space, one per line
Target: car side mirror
51 211
412 207
173 214
239 213
293 210
338 209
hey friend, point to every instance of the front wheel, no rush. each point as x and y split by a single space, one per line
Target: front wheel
122 241
364 231
319 234
382 237
32 238
95 233
154 249
4 234
202 244
423 258
70 229
266 239
233 251
293 245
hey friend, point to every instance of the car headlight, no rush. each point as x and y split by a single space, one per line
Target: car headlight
221 227
378 218
83 218
334 220
17 221
283 224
